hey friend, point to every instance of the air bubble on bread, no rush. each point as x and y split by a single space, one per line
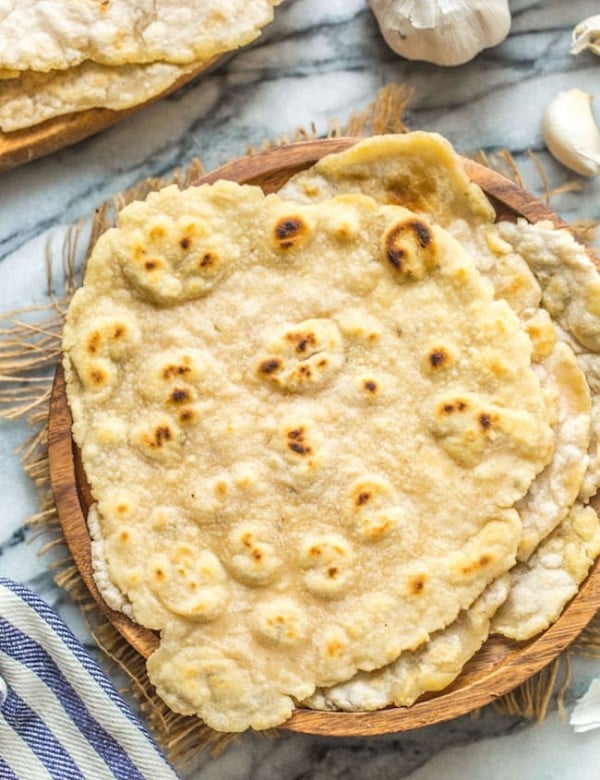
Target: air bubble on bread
328 561
120 507
409 249
159 439
98 377
300 357
190 583
253 558
107 340
173 375
279 621
343 221
357 324
121 547
466 425
204 497
298 449
165 519
172 260
111 430
369 386
111 336
334 644
374 509
290 231
438 359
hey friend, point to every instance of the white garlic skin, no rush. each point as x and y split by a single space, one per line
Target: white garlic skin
571 133
586 715
587 35
445 32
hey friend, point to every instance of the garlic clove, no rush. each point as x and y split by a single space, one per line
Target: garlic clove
586 715
445 32
571 133
587 35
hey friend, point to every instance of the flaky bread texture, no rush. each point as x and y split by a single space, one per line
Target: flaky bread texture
542 586
59 34
31 98
570 286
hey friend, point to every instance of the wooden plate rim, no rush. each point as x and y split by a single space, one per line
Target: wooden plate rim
524 660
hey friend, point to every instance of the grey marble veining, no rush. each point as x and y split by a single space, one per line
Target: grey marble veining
319 60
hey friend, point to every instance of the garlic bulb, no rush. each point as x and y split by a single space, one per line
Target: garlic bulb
587 35
446 32
571 133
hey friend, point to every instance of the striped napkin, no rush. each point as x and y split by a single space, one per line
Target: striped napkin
60 716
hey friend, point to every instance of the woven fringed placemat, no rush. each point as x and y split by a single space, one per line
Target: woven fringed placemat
30 349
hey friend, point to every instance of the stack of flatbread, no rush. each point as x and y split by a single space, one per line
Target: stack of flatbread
335 435
59 57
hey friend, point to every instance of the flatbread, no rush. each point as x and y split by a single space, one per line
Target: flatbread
438 662
571 293
422 171
551 495
555 490
110 593
542 586
432 667
537 593
569 280
59 34
271 436
36 97
590 365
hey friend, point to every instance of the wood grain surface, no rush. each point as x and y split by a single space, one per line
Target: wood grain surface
499 666
22 146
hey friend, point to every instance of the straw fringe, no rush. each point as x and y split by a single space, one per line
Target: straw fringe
532 698
30 348
503 162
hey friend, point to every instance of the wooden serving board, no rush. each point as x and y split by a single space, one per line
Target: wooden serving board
22 146
500 665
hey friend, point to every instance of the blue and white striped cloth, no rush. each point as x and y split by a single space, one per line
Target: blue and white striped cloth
60 716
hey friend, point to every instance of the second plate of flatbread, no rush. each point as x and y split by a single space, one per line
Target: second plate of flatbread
69 70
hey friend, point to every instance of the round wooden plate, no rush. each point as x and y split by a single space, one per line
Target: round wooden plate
500 665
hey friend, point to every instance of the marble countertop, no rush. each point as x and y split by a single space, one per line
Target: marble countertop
319 60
